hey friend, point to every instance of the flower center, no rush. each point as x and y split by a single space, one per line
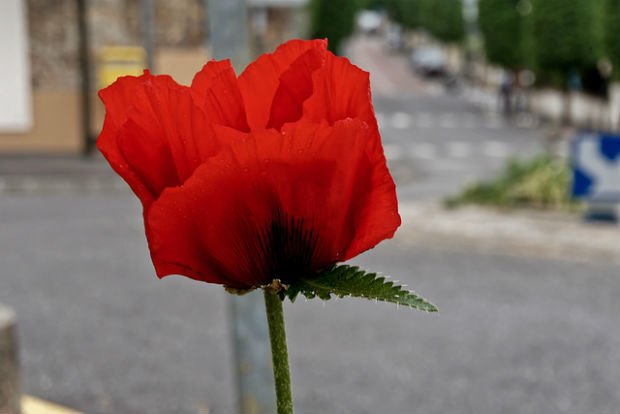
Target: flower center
287 248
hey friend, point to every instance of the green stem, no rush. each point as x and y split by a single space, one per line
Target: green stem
279 353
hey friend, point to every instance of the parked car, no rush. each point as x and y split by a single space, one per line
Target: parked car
369 21
428 61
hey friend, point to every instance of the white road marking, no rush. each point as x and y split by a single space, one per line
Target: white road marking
446 120
423 150
400 120
459 149
380 119
392 151
495 149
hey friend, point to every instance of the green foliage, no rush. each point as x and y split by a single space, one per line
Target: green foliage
539 183
569 35
406 12
612 35
443 19
333 19
344 280
503 26
562 40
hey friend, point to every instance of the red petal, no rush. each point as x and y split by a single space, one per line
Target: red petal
359 207
154 136
260 80
341 90
213 226
143 150
119 99
198 229
216 90
294 88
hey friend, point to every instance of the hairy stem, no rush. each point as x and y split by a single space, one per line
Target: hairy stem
279 352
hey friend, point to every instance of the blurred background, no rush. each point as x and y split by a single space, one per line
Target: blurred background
500 123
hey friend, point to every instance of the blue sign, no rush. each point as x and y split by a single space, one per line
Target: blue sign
596 167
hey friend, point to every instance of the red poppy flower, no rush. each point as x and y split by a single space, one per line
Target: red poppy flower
276 174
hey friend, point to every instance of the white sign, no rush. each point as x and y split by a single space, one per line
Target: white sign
15 90
596 167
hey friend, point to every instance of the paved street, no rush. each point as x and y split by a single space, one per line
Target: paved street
435 142
100 333
516 334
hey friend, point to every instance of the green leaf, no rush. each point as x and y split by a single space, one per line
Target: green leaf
344 280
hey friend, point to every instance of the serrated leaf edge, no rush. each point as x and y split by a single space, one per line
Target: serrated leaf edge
295 289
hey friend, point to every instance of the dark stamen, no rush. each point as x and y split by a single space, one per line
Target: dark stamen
286 248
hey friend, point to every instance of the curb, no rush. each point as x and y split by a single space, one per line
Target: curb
9 366
529 233
38 184
33 405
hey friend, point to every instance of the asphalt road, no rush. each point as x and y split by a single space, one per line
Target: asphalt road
436 142
517 335
100 333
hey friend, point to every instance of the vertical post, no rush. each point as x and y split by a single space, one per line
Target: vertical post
148 31
259 18
10 395
470 15
84 59
229 39
252 353
229 32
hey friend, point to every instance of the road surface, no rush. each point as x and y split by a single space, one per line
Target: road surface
515 334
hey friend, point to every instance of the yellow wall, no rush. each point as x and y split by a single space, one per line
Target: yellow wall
56 125
56 114
181 64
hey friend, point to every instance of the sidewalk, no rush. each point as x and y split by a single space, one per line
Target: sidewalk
518 232
56 173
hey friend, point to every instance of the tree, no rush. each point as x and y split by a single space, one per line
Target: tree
409 15
569 37
333 19
612 35
502 23
443 19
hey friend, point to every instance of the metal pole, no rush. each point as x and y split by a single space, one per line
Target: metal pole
256 395
148 31
470 15
229 32
252 352
84 59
